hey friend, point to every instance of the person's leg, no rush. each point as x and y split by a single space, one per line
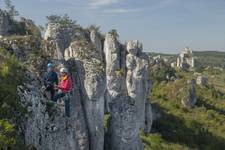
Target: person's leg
52 91
67 106
58 96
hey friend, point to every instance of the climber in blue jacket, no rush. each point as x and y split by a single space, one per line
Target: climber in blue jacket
50 79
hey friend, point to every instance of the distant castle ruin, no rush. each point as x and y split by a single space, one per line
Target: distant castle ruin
185 59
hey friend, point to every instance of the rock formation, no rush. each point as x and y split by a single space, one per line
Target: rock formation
96 40
115 69
137 77
191 98
92 85
185 59
60 38
5 23
111 79
173 64
46 126
202 80
148 117
127 103
158 59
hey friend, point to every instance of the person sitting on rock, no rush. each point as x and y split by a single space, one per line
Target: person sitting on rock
50 79
64 87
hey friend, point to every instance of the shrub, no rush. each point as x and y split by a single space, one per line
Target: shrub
64 21
11 75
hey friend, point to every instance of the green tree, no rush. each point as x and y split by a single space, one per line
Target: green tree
114 33
64 21
94 27
11 8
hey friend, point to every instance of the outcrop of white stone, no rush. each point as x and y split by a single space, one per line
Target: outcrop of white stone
96 40
115 69
202 80
120 80
185 59
46 126
92 85
137 79
60 38
127 88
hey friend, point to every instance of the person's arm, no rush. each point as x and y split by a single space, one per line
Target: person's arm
44 79
56 79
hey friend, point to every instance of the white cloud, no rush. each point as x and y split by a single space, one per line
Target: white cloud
121 10
98 3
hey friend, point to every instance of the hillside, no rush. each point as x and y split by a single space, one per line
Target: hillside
177 127
211 58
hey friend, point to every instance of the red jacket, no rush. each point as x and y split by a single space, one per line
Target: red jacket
65 84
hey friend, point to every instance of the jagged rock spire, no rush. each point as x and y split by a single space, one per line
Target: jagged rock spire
60 39
127 90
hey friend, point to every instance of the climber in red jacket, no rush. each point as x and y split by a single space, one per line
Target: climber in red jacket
64 87
65 84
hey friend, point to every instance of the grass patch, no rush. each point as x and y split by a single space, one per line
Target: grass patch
202 127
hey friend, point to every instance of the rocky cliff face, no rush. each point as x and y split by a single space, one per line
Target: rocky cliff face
96 40
91 84
46 126
127 88
137 79
115 69
60 38
111 79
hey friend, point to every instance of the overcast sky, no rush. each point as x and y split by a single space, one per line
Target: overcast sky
162 25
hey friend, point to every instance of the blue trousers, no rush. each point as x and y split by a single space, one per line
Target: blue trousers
66 101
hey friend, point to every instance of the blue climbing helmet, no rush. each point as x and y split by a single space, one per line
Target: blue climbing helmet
50 65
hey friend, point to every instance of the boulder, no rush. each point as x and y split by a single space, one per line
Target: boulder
191 99
202 80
